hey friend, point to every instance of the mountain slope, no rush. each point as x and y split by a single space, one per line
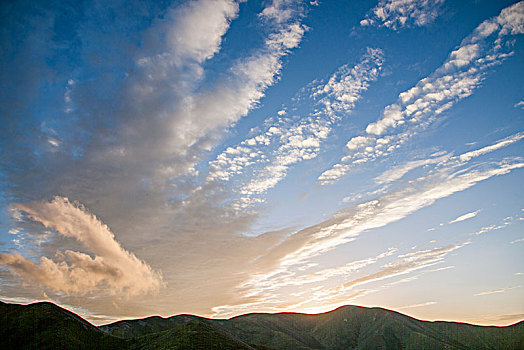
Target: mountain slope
348 327
353 327
193 335
141 327
47 326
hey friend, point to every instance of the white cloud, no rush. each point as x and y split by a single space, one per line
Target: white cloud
333 174
465 217
165 102
281 10
289 141
359 142
346 85
198 28
113 269
417 108
395 14
517 241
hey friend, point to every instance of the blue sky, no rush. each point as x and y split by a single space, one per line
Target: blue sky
219 157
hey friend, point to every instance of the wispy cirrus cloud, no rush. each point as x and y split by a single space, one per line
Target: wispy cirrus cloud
396 14
418 108
409 262
299 278
428 303
445 180
500 144
496 291
399 171
295 254
265 293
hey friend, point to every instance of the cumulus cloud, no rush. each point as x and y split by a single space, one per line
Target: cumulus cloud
111 269
419 107
395 14
288 141
199 27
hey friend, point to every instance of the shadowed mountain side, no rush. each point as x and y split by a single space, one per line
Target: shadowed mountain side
47 326
353 327
195 334
348 327
144 326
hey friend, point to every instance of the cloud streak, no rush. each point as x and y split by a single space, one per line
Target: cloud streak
410 262
416 305
296 252
465 217
496 291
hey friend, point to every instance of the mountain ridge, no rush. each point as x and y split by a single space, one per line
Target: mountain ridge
346 327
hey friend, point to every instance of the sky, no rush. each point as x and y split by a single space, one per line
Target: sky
221 157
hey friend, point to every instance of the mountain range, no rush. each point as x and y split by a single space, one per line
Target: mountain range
45 325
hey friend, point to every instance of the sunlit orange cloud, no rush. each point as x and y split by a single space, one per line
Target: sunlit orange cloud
112 270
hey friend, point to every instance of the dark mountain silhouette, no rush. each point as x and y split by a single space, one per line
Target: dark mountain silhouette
47 326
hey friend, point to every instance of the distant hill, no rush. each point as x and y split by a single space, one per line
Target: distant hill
47 326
